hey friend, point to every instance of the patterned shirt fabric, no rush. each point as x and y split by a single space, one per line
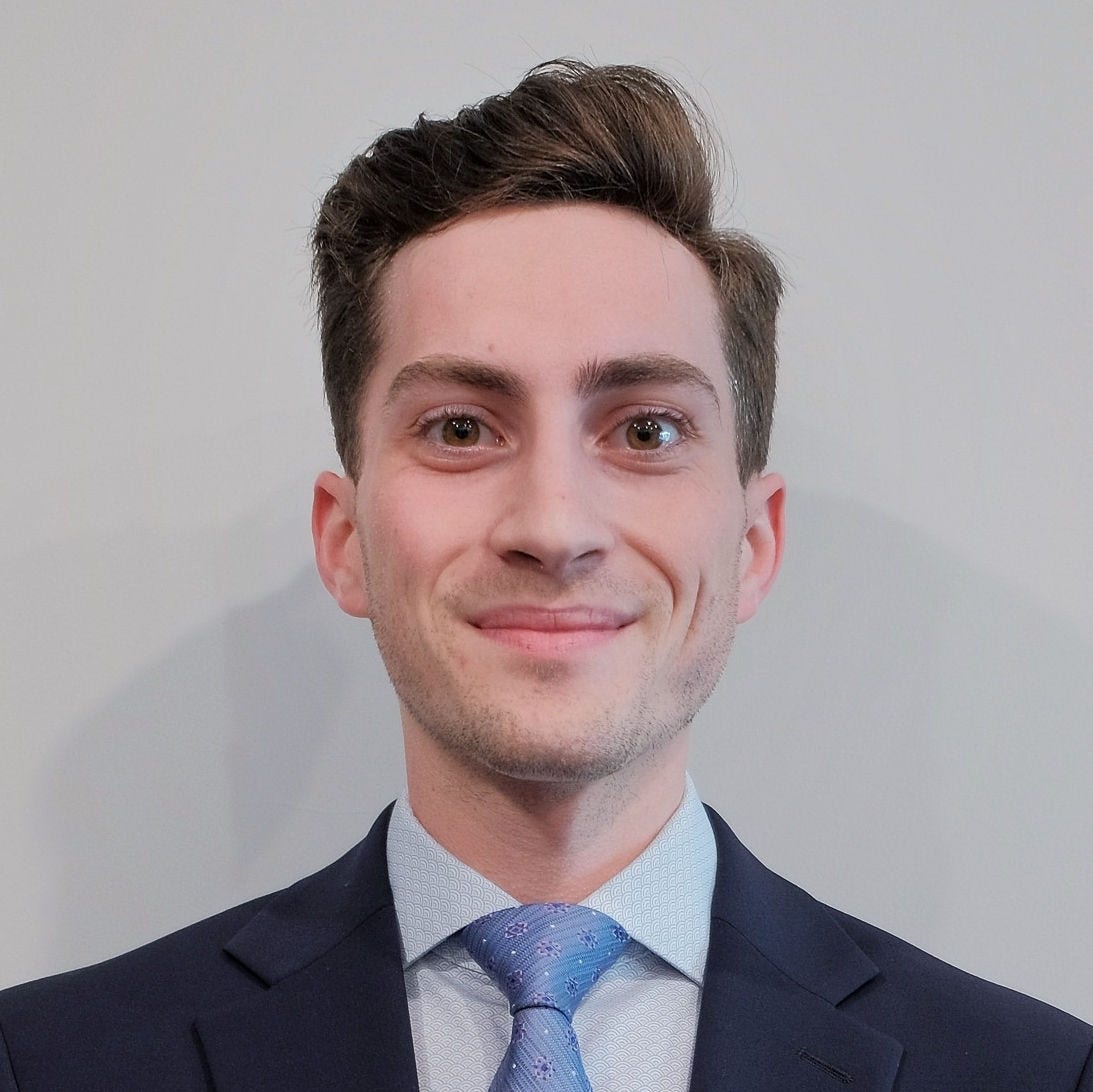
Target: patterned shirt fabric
645 1006
544 957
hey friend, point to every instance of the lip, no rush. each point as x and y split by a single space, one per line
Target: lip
551 630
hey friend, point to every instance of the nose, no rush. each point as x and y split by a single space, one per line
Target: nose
555 517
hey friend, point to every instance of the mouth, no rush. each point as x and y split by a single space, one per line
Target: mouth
552 631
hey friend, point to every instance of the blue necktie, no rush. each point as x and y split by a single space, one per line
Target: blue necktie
545 957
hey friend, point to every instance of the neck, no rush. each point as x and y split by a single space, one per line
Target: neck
544 841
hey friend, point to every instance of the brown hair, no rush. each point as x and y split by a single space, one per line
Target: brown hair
617 134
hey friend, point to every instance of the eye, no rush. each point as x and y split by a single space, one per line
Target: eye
650 432
649 435
453 429
460 431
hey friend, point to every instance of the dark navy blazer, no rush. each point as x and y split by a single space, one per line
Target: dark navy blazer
303 991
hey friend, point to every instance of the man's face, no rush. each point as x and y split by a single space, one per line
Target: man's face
549 532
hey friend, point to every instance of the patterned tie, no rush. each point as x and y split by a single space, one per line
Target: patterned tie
545 957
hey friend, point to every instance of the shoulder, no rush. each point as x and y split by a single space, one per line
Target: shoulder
173 966
949 1028
921 977
132 1011
946 1017
129 1021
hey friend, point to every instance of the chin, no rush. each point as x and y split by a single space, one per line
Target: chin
554 767
550 752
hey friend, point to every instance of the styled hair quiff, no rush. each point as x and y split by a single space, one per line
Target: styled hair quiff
621 135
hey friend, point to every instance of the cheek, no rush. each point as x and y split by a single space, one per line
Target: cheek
693 537
414 526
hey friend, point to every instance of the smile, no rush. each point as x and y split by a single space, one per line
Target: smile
543 631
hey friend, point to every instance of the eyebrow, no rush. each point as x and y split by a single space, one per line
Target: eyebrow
593 378
598 376
456 369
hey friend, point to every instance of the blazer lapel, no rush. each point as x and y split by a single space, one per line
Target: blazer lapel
334 1014
778 966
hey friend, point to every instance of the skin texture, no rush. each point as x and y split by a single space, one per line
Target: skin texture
548 533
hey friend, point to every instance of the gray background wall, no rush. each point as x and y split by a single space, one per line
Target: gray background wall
188 721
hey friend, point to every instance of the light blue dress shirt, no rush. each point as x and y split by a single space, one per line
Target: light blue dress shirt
637 1024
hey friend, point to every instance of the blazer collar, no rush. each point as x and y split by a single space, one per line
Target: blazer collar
778 967
334 1015
328 951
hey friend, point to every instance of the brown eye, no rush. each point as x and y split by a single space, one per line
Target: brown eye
648 434
461 431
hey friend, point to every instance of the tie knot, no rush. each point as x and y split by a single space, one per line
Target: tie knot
547 954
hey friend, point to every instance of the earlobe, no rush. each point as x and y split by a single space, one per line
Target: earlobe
337 546
764 538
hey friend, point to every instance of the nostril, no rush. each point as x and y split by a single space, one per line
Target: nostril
529 560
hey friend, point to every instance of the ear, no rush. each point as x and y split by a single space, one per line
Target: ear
764 537
337 545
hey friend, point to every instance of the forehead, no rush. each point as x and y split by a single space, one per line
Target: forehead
546 290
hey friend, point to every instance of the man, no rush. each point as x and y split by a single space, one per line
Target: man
551 380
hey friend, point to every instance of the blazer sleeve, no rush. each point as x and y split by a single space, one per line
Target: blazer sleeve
7 1074
1085 1081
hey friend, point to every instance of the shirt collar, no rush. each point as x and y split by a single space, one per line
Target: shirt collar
662 898
435 893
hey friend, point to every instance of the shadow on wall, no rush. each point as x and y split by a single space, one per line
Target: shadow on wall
257 751
897 732
909 740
